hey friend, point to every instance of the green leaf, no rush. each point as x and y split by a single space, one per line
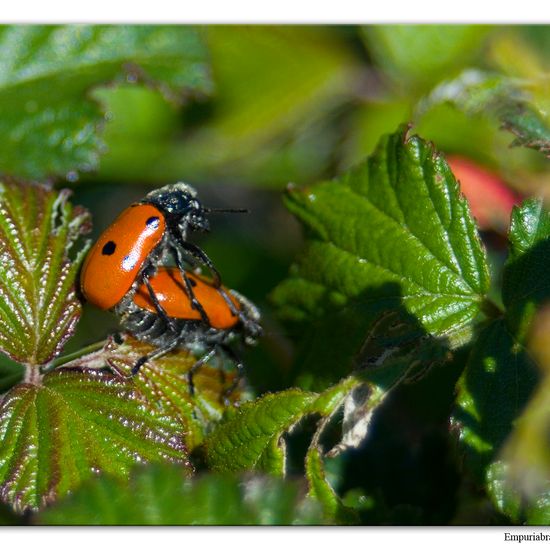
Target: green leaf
38 304
394 234
11 373
518 479
476 92
77 423
492 392
164 383
163 495
252 437
50 125
269 122
525 283
8 517
498 411
420 55
320 489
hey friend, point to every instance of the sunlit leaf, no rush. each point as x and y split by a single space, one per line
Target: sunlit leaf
394 234
76 424
252 437
320 489
164 383
38 264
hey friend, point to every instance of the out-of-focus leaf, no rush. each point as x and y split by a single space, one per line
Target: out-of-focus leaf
252 437
492 392
38 305
163 495
392 234
164 383
491 201
11 373
525 282
369 123
476 92
8 517
76 424
270 119
420 55
49 124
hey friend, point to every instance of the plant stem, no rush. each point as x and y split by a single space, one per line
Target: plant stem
64 359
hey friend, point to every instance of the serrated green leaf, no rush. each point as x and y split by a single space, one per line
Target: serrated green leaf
496 384
74 425
320 489
250 439
49 124
476 92
162 495
164 383
394 234
397 218
525 285
38 303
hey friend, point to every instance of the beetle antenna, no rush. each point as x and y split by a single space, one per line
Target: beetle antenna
230 210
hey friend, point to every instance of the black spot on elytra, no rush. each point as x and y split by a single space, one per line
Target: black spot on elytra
152 222
108 248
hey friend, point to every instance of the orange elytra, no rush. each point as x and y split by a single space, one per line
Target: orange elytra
114 262
169 288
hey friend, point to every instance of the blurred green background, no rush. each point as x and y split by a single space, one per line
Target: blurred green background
300 104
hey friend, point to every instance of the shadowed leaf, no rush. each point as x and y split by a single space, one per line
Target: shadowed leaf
526 285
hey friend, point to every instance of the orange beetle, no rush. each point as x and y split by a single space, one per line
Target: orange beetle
128 251
116 259
186 329
169 289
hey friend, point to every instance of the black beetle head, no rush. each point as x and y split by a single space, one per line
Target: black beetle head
179 204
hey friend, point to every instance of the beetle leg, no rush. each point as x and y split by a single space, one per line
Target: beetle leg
160 310
199 255
240 371
159 352
195 304
199 363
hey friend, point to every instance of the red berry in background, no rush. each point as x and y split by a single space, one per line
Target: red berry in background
490 199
